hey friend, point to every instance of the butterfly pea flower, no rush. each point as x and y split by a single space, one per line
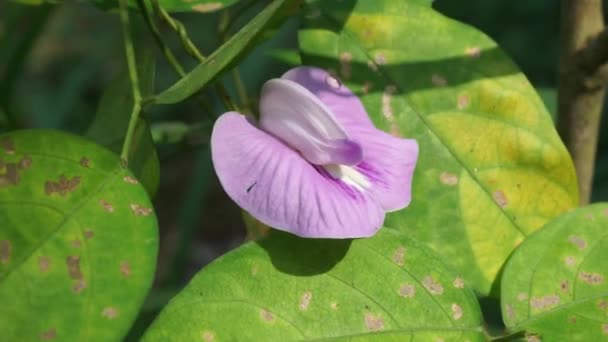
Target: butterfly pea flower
314 165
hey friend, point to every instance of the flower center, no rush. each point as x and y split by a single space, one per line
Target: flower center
348 175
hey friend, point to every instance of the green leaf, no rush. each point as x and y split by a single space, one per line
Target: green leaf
286 288
492 168
203 6
217 62
78 240
555 285
110 124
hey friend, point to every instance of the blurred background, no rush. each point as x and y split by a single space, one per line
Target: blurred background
56 61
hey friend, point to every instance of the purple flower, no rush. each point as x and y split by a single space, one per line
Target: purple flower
314 165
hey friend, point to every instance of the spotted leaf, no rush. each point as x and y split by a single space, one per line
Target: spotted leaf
78 240
286 288
555 285
491 167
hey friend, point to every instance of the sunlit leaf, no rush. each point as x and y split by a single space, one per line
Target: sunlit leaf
556 283
112 119
286 288
78 240
492 168
217 62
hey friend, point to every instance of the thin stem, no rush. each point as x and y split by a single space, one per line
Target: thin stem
579 105
192 50
180 29
241 90
159 40
130 54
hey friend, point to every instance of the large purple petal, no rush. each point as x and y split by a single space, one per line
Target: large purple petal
278 187
387 161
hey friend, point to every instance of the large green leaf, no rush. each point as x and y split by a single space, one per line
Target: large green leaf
78 240
217 62
556 283
109 126
492 168
286 288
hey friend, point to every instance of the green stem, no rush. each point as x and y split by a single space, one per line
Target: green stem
130 54
159 40
192 50
241 90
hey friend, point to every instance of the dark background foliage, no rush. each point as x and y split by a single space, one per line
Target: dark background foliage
56 60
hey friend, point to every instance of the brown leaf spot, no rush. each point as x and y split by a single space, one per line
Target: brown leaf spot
373 322
545 302
88 234
407 290
79 285
208 7
591 278
266 315
44 263
473 51
85 162
522 296
7 145
532 338
602 304
25 163
438 80
448 178
458 283
345 67
334 305
109 312
380 59
387 108
373 66
569 261
10 176
510 311
130 180
578 241
572 319
305 300
432 286
140 210
605 328
463 101
62 186
208 336
106 206
500 198
49 334
564 285
399 256
73 263
254 270
367 86
125 269
6 249
456 311
76 243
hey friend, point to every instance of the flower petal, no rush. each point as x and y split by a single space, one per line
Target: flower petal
281 189
291 113
388 161
345 105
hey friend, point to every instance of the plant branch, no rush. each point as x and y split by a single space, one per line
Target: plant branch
191 49
580 101
169 56
130 54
